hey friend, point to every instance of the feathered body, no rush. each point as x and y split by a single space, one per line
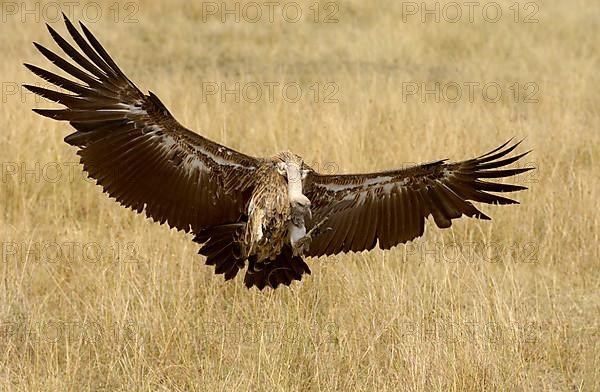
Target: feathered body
265 235
261 213
269 214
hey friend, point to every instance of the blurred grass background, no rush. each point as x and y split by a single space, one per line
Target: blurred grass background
95 297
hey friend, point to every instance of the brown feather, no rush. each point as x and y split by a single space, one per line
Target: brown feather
439 188
143 157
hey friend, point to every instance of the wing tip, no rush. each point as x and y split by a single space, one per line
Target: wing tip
482 216
50 29
71 139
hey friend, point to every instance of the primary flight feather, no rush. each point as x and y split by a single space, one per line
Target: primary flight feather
262 214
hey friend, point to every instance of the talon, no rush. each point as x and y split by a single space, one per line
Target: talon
318 228
303 244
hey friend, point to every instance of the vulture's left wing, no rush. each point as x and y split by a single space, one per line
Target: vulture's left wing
390 207
135 149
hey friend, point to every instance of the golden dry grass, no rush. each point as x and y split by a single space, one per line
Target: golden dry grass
95 297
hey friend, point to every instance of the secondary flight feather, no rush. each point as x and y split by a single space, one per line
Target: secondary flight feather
263 215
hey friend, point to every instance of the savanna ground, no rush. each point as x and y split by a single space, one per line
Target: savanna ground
95 297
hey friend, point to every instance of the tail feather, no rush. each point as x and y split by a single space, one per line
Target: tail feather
283 270
220 246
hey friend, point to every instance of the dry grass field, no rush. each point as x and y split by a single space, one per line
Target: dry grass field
95 297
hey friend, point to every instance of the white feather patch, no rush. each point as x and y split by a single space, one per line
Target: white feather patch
296 233
364 184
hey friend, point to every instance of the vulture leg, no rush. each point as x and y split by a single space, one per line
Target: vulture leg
303 244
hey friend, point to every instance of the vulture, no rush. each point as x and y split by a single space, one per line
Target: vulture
264 215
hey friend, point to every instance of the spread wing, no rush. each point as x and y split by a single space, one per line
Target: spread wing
390 207
135 149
